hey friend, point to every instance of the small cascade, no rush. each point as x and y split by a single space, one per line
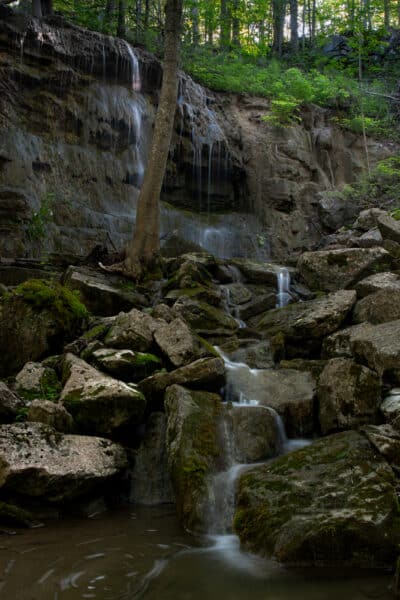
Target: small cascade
230 308
283 296
134 70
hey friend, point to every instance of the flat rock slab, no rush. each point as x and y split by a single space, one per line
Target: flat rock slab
330 270
98 403
332 503
380 281
389 228
379 307
36 461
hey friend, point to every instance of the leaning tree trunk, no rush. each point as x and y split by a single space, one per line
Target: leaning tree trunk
143 250
37 8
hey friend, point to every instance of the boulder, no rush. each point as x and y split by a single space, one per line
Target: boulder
126 365
150 479
36 320
98 403
379 307
256 355
335 210
309 320
390 408
190 274
204 319
288 392
256 433
207 294
10 404
260 273
179 344
315 367
104 293
380 281
339 343
38 462
204 374
132 331
389 228
192 450
387 442
368 219
330 270
331 503
237 293
36 380
378 346
348 394
50 413
256 306
370 238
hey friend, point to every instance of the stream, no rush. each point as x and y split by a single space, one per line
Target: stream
143 553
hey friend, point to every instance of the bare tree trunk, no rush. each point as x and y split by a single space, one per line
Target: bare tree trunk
278 9
294 33
386 9
236 24
195 24
121 28
143 250
37 8
47 7
108 13
146 14
225 24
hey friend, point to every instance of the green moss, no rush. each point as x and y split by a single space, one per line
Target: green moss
63 303
96 333
9 513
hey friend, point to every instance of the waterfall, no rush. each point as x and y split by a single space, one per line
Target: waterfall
283 296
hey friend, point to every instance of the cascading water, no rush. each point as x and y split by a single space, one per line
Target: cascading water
283 296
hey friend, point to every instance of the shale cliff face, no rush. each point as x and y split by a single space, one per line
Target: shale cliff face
76 115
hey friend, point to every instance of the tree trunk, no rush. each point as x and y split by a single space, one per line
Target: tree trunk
236 24
108 13
294 33
278 15
143 250
225 24
195 23
386 8
121 29
146 14
37 8
47 7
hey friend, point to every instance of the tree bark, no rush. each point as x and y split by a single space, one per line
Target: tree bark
278 17
143 250
195 24
236 24
37 8
294 32
225 24
47 8
121 28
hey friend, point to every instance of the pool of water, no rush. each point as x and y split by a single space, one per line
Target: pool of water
143 553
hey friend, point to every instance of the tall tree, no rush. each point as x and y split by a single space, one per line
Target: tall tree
278 16
121 28
225 24
294 31
142 251
42 8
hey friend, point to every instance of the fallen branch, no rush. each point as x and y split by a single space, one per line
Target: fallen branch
392 98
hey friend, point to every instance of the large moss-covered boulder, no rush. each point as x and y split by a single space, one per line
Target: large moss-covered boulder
38 462
349 395
378 346
331 503
389 228
192 449
259 273
98 403
35 320
178 344
104 293
50 413
330 270
379 281
305 322
255 431
126 365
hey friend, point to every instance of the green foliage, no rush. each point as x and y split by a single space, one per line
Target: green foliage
63 303
37 226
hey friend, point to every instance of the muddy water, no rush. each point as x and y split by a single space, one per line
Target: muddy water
143 553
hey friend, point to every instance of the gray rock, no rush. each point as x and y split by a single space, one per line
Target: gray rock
335 210
349 395
192 450
133 331
368 219
390 409
378 346
178 343
10 404
237 293
374 283
126 364
389 228
50 413
103 293
340 343
370 238
257 306
98 403
379 307
331 270
150 479
206 320
255 432
205 373
313 319
36 461
331 503
37 381
387 441
260 273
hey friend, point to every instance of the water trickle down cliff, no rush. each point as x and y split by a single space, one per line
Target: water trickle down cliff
75 131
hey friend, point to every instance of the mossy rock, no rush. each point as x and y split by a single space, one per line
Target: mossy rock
126 364
36 319
192 449
332 503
